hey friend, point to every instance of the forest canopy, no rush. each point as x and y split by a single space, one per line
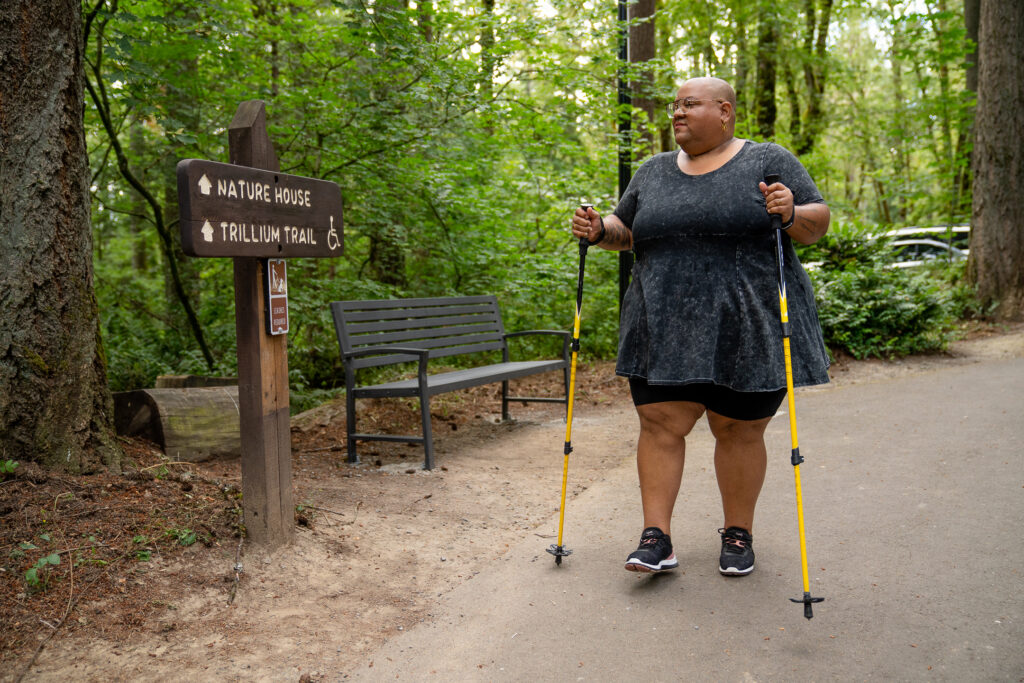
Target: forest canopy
463 134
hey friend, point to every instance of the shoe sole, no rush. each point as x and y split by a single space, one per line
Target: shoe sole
733 571
663 566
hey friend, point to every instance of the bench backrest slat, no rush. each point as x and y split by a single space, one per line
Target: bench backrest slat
383 304
445 326
399 337
355 329
355 316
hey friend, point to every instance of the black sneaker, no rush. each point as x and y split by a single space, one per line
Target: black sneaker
737 552
654 554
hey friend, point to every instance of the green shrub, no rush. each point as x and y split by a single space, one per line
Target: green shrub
877 311
869 308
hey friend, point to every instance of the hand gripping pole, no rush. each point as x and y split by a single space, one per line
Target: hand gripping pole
795 458
557 549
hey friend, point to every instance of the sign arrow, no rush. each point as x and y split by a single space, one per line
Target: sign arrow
205 185
207 230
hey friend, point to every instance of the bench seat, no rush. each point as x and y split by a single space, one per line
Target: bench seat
461 379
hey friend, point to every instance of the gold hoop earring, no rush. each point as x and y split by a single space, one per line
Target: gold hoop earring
723 126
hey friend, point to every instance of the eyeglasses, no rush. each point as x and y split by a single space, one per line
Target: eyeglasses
687 103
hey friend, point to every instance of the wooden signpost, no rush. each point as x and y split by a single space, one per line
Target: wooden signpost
251 212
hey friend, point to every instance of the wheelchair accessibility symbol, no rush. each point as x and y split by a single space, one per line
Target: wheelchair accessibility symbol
333 241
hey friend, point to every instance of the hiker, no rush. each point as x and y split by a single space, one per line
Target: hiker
699 330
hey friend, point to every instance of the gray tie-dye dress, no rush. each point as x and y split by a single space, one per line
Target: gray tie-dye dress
703 304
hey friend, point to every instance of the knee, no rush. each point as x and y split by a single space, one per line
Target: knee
737 431
665 421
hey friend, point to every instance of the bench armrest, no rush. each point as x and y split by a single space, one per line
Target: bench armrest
381 350
565 340
350 373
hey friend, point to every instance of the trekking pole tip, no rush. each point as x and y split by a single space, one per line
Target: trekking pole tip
559 551
807 601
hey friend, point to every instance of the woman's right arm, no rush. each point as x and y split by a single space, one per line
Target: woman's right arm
608 233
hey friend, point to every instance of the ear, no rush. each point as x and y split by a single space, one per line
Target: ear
726 112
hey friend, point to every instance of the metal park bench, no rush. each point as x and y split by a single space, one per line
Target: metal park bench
390 331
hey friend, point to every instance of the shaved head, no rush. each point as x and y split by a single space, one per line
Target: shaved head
715 88
708 87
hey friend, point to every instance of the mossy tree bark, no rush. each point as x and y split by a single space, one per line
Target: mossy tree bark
55 407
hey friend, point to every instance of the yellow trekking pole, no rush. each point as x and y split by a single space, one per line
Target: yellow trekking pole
796 459
557 549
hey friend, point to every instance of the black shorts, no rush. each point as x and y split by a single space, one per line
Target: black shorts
736 405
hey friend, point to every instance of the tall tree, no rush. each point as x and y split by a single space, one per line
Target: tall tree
767 49
997 233
176 285
899 129
965 166
641 52
55 407
815 71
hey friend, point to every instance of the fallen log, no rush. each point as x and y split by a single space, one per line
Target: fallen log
190 425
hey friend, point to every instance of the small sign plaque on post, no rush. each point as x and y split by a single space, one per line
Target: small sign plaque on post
275 277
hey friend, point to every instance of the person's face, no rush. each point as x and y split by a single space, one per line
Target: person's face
698 116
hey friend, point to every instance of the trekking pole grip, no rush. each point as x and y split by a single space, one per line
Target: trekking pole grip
769 180
585 242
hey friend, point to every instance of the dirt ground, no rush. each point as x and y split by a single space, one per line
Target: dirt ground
153 582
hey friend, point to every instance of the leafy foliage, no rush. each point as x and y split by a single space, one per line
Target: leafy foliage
463 136
38 575
882 312
869 308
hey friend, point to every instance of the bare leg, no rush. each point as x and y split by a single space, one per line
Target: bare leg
660 454
741 460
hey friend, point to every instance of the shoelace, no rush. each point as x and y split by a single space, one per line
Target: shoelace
650 540
739 543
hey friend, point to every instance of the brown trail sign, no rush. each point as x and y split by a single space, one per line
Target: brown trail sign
230 210
250 211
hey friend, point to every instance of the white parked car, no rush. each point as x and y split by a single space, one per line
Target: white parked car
916 252
954 235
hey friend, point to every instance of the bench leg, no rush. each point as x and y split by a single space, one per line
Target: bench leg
504 401
350 425
428 440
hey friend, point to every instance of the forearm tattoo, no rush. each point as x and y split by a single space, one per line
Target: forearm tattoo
805 225
616 238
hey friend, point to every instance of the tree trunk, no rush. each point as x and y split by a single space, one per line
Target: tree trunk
742 72
425 20
55 408
487 60
641 50
899 136
815 73
387 256
997 233
767 48
667 88
965 132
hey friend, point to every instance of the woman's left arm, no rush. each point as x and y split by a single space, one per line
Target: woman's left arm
810 223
